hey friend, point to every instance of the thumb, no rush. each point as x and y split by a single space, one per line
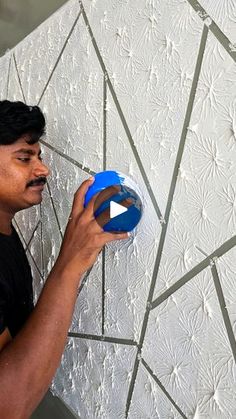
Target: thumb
78 203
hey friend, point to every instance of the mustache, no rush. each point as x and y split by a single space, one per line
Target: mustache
36 182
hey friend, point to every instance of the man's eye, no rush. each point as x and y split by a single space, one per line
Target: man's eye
24 159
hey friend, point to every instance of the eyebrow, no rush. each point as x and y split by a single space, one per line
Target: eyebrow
27 151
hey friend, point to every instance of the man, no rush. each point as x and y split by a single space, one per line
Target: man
32 339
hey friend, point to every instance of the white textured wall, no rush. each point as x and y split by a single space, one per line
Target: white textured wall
146 87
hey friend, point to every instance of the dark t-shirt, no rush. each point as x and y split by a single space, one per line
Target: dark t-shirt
16 294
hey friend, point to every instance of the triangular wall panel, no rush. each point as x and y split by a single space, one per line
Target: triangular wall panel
207 170
152 86
105 368
38 53
75 122
131 288
187 347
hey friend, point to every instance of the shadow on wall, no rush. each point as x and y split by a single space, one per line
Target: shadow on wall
19 18
52 407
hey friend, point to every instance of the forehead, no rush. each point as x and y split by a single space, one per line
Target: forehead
21 144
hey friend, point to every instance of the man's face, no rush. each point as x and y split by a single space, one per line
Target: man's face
22 175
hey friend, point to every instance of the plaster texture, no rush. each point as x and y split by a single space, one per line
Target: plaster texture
148 88
224 14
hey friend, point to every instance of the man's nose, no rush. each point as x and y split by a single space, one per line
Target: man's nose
41 169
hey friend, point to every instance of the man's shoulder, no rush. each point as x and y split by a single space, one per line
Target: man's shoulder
12 254
10 241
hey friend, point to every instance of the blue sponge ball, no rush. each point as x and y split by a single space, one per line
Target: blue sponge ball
122 218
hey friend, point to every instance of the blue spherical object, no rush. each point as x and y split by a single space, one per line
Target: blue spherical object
121 208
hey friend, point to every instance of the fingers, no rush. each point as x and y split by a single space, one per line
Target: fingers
78 203
109 237
101 239
101 197
106 194
90 208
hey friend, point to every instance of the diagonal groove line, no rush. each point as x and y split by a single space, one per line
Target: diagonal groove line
162 388
201 251
18 76
132 382
42 243
59 57
214 28
35 264
32 235
68 158
84 281
224 310
54 210
103 338
122 117
60 231
8 75
21 234
168 209
85 278
229 244
186 122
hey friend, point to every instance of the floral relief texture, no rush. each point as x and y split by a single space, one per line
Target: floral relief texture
146 87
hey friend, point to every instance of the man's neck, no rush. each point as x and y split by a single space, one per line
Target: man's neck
5 222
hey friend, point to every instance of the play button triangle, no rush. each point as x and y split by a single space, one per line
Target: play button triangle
116 209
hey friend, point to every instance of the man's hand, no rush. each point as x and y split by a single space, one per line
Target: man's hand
84 238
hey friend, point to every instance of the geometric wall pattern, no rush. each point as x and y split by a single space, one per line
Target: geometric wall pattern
146 87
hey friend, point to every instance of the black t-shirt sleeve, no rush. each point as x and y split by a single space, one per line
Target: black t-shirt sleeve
3 305
16 294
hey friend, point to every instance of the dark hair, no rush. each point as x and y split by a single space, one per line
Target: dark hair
18 119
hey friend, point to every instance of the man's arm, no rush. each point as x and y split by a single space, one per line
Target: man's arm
29 361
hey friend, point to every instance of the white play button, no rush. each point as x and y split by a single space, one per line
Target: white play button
116 209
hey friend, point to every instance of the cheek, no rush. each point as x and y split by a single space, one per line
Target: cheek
12 181
4 172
